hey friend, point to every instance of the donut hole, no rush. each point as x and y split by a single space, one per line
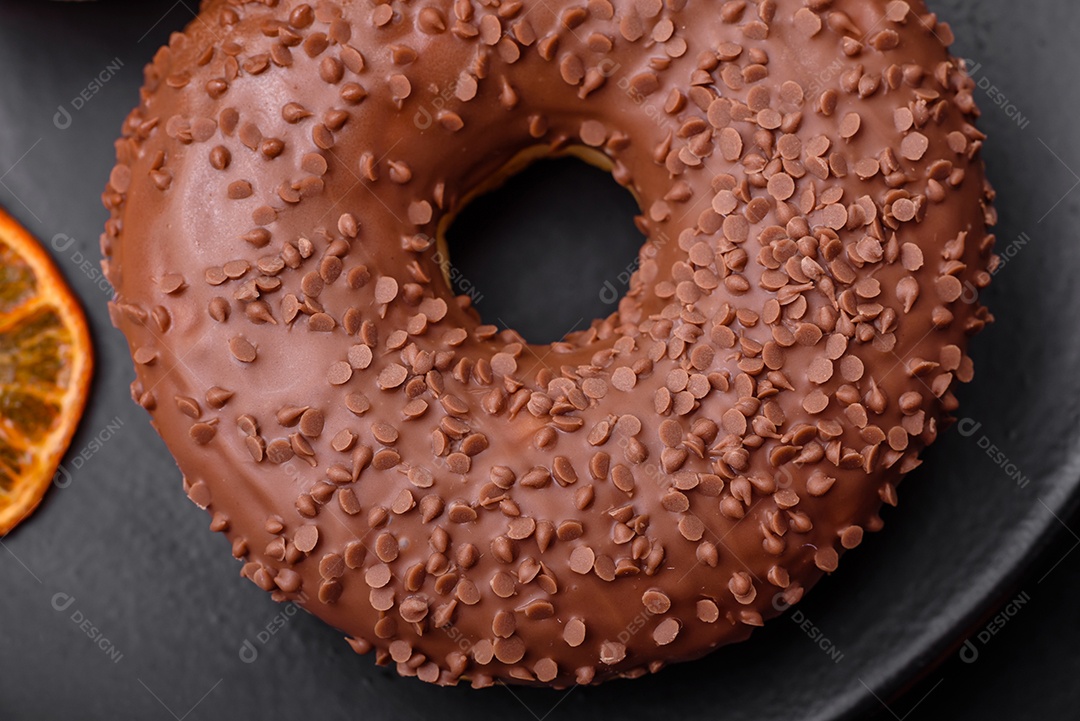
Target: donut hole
547 251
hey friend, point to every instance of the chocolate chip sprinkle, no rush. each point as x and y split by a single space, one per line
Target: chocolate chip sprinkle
242 349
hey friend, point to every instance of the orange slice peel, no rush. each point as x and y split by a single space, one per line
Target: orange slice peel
46 363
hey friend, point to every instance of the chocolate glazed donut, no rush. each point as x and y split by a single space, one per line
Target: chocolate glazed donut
471 506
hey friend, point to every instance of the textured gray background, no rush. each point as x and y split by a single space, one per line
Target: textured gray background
132 555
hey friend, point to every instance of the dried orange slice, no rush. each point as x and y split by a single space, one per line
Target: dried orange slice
45 365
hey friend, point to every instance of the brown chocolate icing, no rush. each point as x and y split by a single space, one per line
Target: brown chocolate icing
470 506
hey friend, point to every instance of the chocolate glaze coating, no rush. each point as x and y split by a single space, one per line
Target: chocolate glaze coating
473 507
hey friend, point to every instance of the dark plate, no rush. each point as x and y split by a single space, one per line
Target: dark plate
118 603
